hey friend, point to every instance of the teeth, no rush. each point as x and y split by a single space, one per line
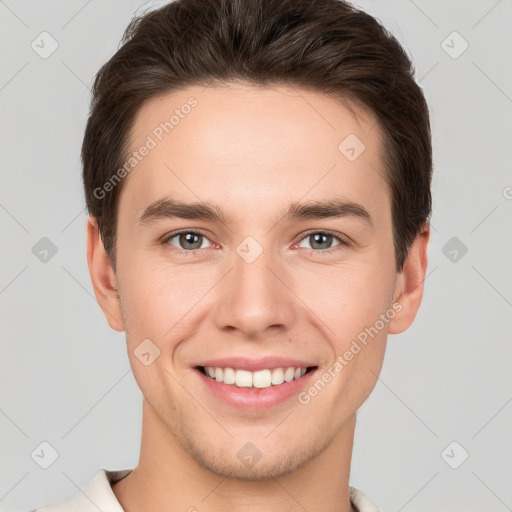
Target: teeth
243 379
260 379
229 376
289 374
277 376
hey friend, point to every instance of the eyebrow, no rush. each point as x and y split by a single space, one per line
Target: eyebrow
167 207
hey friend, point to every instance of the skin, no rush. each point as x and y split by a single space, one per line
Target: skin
252 151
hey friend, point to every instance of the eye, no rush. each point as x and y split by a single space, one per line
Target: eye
187 240
321 241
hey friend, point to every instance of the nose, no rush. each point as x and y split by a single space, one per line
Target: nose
256 298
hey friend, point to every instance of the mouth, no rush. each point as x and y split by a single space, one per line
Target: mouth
261 379
254 391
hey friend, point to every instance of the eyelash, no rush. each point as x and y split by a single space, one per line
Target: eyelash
342 239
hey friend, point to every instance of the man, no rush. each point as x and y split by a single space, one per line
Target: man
257 174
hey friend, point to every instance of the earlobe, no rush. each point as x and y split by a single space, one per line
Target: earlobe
103 278
409 284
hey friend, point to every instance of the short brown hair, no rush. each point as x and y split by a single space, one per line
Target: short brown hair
327 46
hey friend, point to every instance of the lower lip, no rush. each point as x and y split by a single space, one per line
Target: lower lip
256 398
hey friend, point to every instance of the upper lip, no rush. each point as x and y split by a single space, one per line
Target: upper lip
253 365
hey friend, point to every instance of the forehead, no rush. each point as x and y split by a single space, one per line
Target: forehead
255 144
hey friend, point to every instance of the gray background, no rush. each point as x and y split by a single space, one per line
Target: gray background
64 374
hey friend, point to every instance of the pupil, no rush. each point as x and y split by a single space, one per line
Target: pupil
188 238
318 239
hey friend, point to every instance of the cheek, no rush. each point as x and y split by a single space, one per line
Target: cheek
161 300
347 298
355 308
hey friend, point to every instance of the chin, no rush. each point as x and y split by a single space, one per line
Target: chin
264 466
260 471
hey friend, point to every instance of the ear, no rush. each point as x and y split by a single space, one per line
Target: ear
409 283
103 278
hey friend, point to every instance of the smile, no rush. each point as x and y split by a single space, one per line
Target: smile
260 379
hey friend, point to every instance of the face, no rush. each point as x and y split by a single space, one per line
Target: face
251 283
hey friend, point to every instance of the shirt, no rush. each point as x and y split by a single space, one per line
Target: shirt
98 495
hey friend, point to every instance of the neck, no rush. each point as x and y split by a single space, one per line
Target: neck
168 477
